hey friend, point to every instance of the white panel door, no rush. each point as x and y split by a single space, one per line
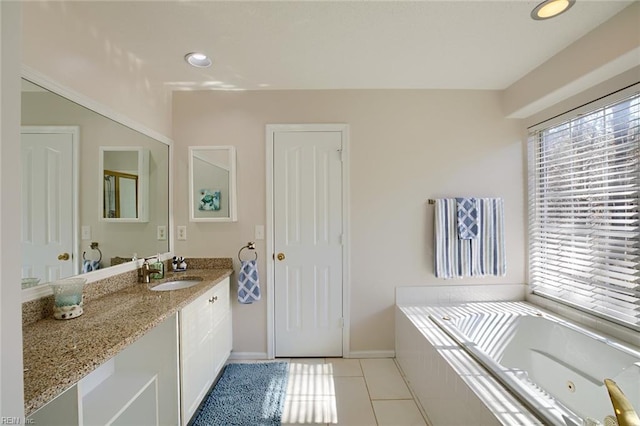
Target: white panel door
307 197
47 204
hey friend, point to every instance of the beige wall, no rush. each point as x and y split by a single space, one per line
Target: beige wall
63 46
406 147
610 49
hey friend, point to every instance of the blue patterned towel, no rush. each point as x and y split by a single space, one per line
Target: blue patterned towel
248 284
467 211
90 265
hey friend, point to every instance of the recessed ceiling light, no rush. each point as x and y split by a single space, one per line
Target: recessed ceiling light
199 60
550 8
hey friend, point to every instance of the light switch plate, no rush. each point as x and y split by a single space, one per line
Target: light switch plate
86 232
182 233
162 232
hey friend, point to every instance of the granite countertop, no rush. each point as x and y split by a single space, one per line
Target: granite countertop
58 353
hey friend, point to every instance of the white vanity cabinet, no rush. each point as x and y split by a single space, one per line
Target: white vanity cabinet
160 379
139 386
205 345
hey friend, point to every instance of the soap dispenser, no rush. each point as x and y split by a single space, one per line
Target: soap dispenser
159 267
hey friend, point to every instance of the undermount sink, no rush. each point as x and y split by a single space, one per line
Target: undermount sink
177 284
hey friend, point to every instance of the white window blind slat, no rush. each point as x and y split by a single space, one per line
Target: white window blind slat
584 212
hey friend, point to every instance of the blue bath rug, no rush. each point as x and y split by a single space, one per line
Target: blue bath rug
246 394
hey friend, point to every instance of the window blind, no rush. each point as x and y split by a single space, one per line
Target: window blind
584 219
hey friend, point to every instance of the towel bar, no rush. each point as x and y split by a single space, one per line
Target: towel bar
94 246
251 246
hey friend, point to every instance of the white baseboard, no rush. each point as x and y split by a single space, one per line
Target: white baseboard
352 354
372 354
248 355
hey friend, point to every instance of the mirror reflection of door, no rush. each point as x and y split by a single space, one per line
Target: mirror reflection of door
120 195
48 200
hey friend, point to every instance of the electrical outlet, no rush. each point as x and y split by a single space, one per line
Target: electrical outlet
182 233
86 232
162 232
259 232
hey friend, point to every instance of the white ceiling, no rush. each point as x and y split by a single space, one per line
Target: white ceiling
453 44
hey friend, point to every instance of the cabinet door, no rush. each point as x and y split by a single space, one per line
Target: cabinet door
196 348
221 325
221 304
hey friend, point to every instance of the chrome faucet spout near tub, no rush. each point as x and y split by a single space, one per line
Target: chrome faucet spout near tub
623 409
145 271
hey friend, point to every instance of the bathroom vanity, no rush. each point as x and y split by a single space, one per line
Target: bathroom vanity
136 356
205 344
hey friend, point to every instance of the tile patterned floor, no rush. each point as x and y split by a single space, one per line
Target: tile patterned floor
353 392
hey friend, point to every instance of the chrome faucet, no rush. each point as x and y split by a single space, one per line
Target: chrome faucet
145 271
622 408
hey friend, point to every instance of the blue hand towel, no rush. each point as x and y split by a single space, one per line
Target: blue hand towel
467 215
248 284
90 265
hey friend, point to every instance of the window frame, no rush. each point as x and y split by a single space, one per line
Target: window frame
534 175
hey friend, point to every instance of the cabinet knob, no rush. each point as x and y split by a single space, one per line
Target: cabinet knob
213 299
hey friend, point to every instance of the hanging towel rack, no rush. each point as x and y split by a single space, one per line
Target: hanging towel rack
94 246
250 246
431 201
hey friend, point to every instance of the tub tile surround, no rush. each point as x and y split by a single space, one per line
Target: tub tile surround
117 312
603 326
451 387
452 294
443 375
448 294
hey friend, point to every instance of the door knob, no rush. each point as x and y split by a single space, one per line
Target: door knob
63 256
280 256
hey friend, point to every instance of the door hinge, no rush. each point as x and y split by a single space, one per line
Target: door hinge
340 239
341 322
340 153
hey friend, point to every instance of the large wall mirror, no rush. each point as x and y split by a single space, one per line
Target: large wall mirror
64 229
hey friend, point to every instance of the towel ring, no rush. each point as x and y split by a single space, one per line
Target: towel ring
251 246
94 246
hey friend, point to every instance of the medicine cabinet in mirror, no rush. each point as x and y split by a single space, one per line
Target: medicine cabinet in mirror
212 183
124 177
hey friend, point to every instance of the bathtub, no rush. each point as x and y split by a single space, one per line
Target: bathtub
554 367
